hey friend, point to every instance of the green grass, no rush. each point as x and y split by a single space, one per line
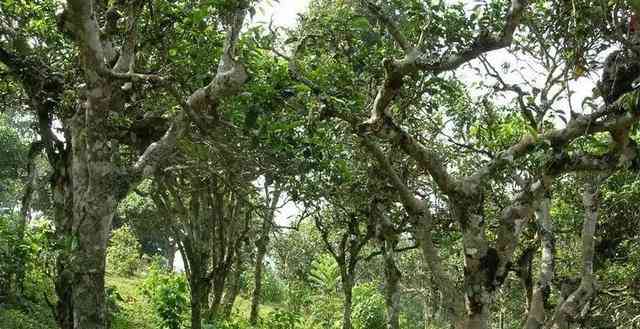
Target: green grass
36 317
135 312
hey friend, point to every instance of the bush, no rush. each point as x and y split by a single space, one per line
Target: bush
368 307
123 253
282 320
32 317
167 293
29 254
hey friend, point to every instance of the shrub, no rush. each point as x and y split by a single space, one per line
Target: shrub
36 317
123 253
368 307
113 298
167 293
282 320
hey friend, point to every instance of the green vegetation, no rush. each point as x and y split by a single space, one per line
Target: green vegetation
396 164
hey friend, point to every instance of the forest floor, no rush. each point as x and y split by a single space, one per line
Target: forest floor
134 310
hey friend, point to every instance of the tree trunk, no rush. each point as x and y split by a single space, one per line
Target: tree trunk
578 303
199 286
64 291
347 287
94 205
229 298
445 286
391 290
172 248
62 192
272 200
196 309
16 288
219 280
542 288
480 263
257 290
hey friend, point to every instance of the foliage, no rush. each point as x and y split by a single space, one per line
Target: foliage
123 253
29 253
168 294
282 320
273 289
324 274
133 308
368 307
34 318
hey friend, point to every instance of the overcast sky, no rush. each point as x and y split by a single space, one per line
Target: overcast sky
284 12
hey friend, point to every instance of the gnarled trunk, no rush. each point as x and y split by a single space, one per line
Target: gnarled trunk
577 304
391 288
62 192
446 287
541 290
94 205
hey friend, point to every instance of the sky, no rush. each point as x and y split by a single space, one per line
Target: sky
284 12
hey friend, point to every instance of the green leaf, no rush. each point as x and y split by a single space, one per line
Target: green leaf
360 23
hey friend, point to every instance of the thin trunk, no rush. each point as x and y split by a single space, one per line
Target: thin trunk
219 280
199 287
525 274
16 288
172 248
536 315
272 200
230 296
578 303
392 290
257 291
455 301
62 192
347 287
63 287
196 309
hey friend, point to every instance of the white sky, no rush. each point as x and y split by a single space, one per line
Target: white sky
284 12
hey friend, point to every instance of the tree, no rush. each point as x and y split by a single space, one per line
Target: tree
271 200
89 184
209 210
486 263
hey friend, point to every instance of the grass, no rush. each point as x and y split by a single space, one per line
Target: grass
135 312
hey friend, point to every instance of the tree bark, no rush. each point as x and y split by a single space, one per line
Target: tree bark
172 248
536 314
578 303
480 263
16 288
454 307
347 288
229 298
62 192
94 207
199 285
271 201
391 289
257 290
